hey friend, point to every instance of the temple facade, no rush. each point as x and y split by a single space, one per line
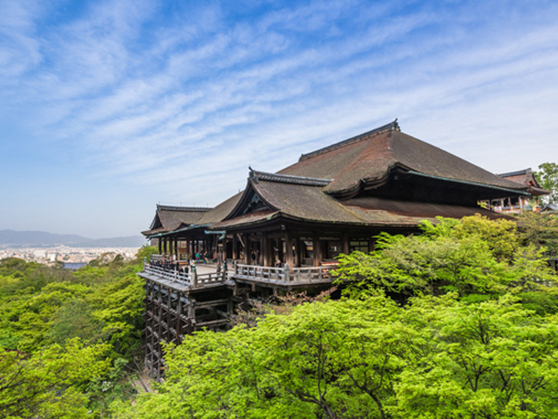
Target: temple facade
285 230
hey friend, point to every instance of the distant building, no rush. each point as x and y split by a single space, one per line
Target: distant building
171 218
514 203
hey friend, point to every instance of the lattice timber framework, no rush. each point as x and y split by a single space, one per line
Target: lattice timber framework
178 304
173 311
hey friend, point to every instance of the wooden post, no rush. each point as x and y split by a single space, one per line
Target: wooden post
289 250
246 249
234 247
267 251
178 319
298 253
318 251
169 315
192 313
194 276
216 248
345 244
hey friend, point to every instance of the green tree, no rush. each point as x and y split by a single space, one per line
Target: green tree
547 176
539 229
494 360
50 383
478 258
437 357
43 309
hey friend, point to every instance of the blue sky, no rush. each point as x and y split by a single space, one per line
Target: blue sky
109 107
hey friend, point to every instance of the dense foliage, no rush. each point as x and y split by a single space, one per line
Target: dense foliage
66 337
547 176
459 322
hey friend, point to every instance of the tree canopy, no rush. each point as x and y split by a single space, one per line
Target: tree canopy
547 176
457 322
65 337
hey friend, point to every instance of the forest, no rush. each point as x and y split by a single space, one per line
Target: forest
460 321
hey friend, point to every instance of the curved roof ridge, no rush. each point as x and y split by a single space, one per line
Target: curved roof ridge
394 125
184 209
298 180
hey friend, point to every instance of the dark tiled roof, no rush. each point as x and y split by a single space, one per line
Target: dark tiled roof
220 211
371 156
309 203
247 219
302 202
168 218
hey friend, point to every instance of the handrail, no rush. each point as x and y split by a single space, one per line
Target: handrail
174 275
266 274
192 279
284 275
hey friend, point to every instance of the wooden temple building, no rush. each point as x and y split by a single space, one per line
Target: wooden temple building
286 229
516 204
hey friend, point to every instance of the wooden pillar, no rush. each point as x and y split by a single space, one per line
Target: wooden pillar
267 252
160 245
234 247
169 316
345 244
289 259
216 247
246 248
318 251
298 252
178 319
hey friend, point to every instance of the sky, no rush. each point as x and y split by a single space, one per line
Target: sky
108 108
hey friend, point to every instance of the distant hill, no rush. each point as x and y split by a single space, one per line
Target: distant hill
11 238
129 241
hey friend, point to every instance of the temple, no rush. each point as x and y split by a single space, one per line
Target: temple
517 203
286 229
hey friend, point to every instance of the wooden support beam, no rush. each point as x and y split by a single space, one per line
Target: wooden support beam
212 303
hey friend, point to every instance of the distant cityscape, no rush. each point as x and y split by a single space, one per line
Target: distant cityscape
65 254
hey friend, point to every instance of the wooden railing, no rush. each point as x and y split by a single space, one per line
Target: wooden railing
255 273
171 275
284 275
191 279
202 280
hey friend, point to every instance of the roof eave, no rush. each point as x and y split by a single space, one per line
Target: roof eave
467 182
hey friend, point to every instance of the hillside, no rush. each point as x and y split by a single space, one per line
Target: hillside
12 238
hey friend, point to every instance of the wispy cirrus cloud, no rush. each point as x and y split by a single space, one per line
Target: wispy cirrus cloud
181 97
